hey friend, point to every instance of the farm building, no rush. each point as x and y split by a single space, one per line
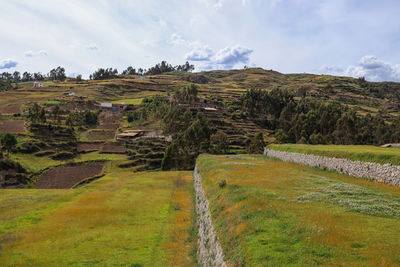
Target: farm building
210 109
106 105
129 135
37 84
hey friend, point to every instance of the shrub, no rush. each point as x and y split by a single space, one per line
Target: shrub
222 183
63 156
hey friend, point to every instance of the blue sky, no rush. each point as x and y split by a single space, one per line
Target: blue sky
341 37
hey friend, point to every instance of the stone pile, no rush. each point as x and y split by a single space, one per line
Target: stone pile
386 173
209 250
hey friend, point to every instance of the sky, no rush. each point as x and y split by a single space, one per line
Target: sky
339 37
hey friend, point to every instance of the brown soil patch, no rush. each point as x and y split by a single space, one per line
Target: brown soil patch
108 126
88 147
118 148
67 176
100 135
11 109
12 126
109 117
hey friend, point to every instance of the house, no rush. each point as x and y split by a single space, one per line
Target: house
210 109
37 84
130 135
71 94
106 105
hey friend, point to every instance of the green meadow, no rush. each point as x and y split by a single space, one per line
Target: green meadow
380 155
272 213
122 219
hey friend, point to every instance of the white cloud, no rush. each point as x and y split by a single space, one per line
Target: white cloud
176 39
330 69
230 56
8 64
374 69
92 47
200 54
31 53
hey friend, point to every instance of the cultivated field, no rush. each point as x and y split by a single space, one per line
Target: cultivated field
12 126
122 219
362 153
274 213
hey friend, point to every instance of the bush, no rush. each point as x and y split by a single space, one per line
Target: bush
29 148
63 156
222 184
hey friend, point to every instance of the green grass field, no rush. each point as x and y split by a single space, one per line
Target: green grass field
129 101
274 213
362 153
122 219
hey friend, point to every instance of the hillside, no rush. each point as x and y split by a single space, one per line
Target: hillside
84 166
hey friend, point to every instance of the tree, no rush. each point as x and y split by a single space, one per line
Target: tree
26 76
8 142
187 94
129 71
102 74
256 144
79 78
16 76
57 74
220 143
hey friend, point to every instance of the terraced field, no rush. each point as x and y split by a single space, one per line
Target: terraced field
123 219
272 213
381 155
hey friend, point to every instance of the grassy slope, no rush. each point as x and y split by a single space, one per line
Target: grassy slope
121 219
35 164
361 153
274 213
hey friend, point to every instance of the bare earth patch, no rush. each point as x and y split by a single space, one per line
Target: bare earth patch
88 147
113 148
108 126
67 176
12 126
10 109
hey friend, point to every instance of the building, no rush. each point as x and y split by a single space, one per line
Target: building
37 84
129 135
106 105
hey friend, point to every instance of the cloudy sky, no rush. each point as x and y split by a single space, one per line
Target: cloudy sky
341 37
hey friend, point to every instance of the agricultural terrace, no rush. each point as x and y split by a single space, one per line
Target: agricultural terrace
141 219
380 155
272 213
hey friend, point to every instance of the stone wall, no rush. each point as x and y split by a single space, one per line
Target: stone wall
387 173
209 250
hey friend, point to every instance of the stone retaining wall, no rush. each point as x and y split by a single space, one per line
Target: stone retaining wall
209 250
387 173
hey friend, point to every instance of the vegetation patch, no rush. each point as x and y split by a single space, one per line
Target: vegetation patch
114 215
382 155
273 213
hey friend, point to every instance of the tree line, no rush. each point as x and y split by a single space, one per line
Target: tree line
54 74
163 67
314 121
